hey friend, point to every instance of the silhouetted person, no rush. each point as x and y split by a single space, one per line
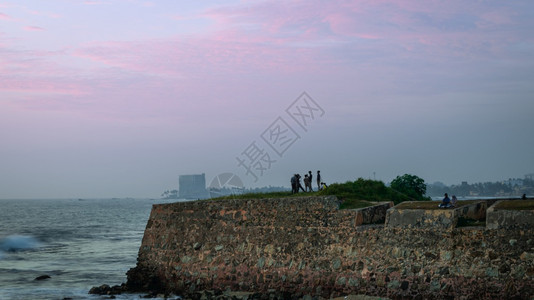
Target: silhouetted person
319 185
306 182
294 188
524 197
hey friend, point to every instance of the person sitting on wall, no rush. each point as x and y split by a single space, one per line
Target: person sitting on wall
446 202
453 201
323 186
524 197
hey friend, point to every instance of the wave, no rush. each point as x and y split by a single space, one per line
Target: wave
14 243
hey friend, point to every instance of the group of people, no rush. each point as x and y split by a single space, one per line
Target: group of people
447 202
308 179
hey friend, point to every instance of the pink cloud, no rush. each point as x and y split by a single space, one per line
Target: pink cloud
308 35
34 72
262 40
37 85
33 28
440 25
95 2
4 16
197 57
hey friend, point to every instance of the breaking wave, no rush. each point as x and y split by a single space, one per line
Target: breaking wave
14 243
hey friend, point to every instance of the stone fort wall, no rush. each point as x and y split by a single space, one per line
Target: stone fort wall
307 246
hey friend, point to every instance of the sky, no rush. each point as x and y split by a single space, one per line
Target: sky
118 98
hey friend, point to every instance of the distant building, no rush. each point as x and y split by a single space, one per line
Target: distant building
193 187
514 182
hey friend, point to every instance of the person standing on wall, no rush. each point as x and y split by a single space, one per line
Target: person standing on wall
299 185
294 188
318 180
310 178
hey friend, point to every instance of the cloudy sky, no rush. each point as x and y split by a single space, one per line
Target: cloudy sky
117 98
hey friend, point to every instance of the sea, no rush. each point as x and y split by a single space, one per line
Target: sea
78 243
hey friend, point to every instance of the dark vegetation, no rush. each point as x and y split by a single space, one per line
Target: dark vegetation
410 186
353 194
359 193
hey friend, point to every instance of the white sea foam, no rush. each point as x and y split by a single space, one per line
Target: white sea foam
18 243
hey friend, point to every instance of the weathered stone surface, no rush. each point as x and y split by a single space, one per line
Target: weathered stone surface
372 214
306 247
508 218
445 219
442 219
474 211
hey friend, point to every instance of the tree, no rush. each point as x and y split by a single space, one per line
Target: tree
411 186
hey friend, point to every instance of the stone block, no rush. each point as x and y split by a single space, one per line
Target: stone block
500 218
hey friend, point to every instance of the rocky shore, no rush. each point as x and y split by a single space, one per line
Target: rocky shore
111 291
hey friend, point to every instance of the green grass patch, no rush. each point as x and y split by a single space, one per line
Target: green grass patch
353 194
516 205
263 195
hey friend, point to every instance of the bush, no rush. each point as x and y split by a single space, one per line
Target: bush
411 186
363 189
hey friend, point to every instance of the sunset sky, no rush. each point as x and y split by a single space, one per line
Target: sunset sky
117 98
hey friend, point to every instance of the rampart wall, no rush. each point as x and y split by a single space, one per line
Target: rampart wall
293 247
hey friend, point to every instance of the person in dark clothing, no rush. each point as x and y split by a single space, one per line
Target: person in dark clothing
306 182
294 188
319 186
446 202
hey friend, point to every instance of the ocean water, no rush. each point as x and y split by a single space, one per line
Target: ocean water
78 243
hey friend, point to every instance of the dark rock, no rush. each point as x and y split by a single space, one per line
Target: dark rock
100 290
504 268
108 290
42 277
443 271
477 253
